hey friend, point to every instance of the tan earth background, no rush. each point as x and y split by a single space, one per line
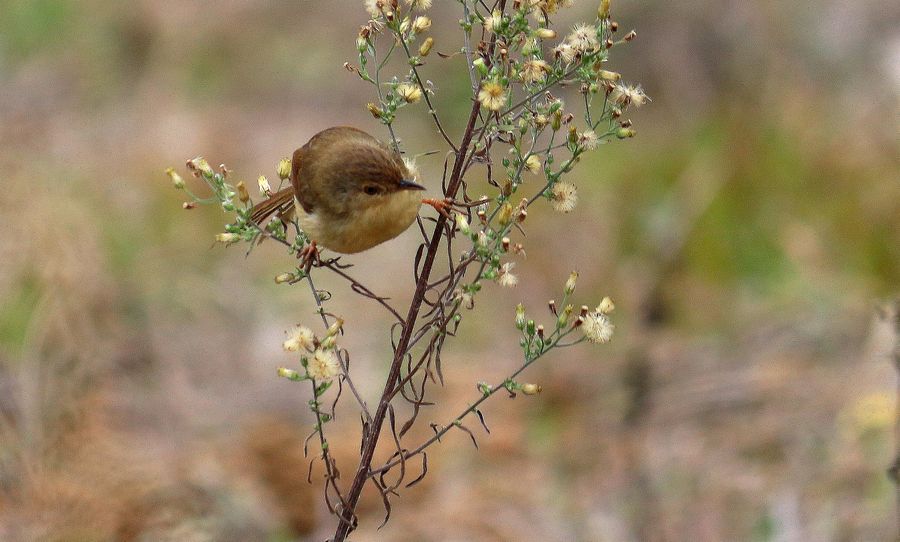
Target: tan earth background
750 236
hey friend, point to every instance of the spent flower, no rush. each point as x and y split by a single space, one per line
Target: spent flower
564 196
299 338
323 365
597 327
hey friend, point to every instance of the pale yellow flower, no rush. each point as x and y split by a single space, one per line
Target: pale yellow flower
284 168
534 70
564 196
492 96
263 184
492 23
506 278
565 52
177 181
323 365
375 7
606 306
300 338
421 5
589 140
227 238
570 283
533 163
625 95
421 24
597 328
583 38
409 92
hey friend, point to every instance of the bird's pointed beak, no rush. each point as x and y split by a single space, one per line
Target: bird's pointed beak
410 185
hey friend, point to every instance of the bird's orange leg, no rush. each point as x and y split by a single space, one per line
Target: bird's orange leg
442 206
309 256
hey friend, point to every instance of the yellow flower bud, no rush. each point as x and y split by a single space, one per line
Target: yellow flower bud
603 10
335 328
284 168
177 181
506 214
425 48
264 187
607 75
531 389
284 277
243 195
606 306
570 283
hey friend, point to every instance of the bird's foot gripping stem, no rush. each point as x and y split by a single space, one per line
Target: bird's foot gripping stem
442 206
309 256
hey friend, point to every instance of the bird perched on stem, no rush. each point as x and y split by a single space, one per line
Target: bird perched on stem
349 192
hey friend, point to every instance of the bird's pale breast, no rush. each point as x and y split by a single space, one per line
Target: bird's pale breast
370 226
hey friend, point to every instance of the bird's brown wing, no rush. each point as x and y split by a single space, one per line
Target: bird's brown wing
280 202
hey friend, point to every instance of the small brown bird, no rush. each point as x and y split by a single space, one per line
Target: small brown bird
350 192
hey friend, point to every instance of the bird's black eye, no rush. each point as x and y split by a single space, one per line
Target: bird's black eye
371 189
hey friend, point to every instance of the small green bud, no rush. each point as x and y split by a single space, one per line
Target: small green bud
480 66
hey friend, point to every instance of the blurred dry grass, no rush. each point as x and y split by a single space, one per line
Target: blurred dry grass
747 235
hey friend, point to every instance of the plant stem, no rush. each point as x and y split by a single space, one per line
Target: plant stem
370 438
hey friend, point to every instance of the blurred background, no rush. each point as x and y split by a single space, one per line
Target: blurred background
750 236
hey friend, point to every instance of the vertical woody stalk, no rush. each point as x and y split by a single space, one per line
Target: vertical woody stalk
370 438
